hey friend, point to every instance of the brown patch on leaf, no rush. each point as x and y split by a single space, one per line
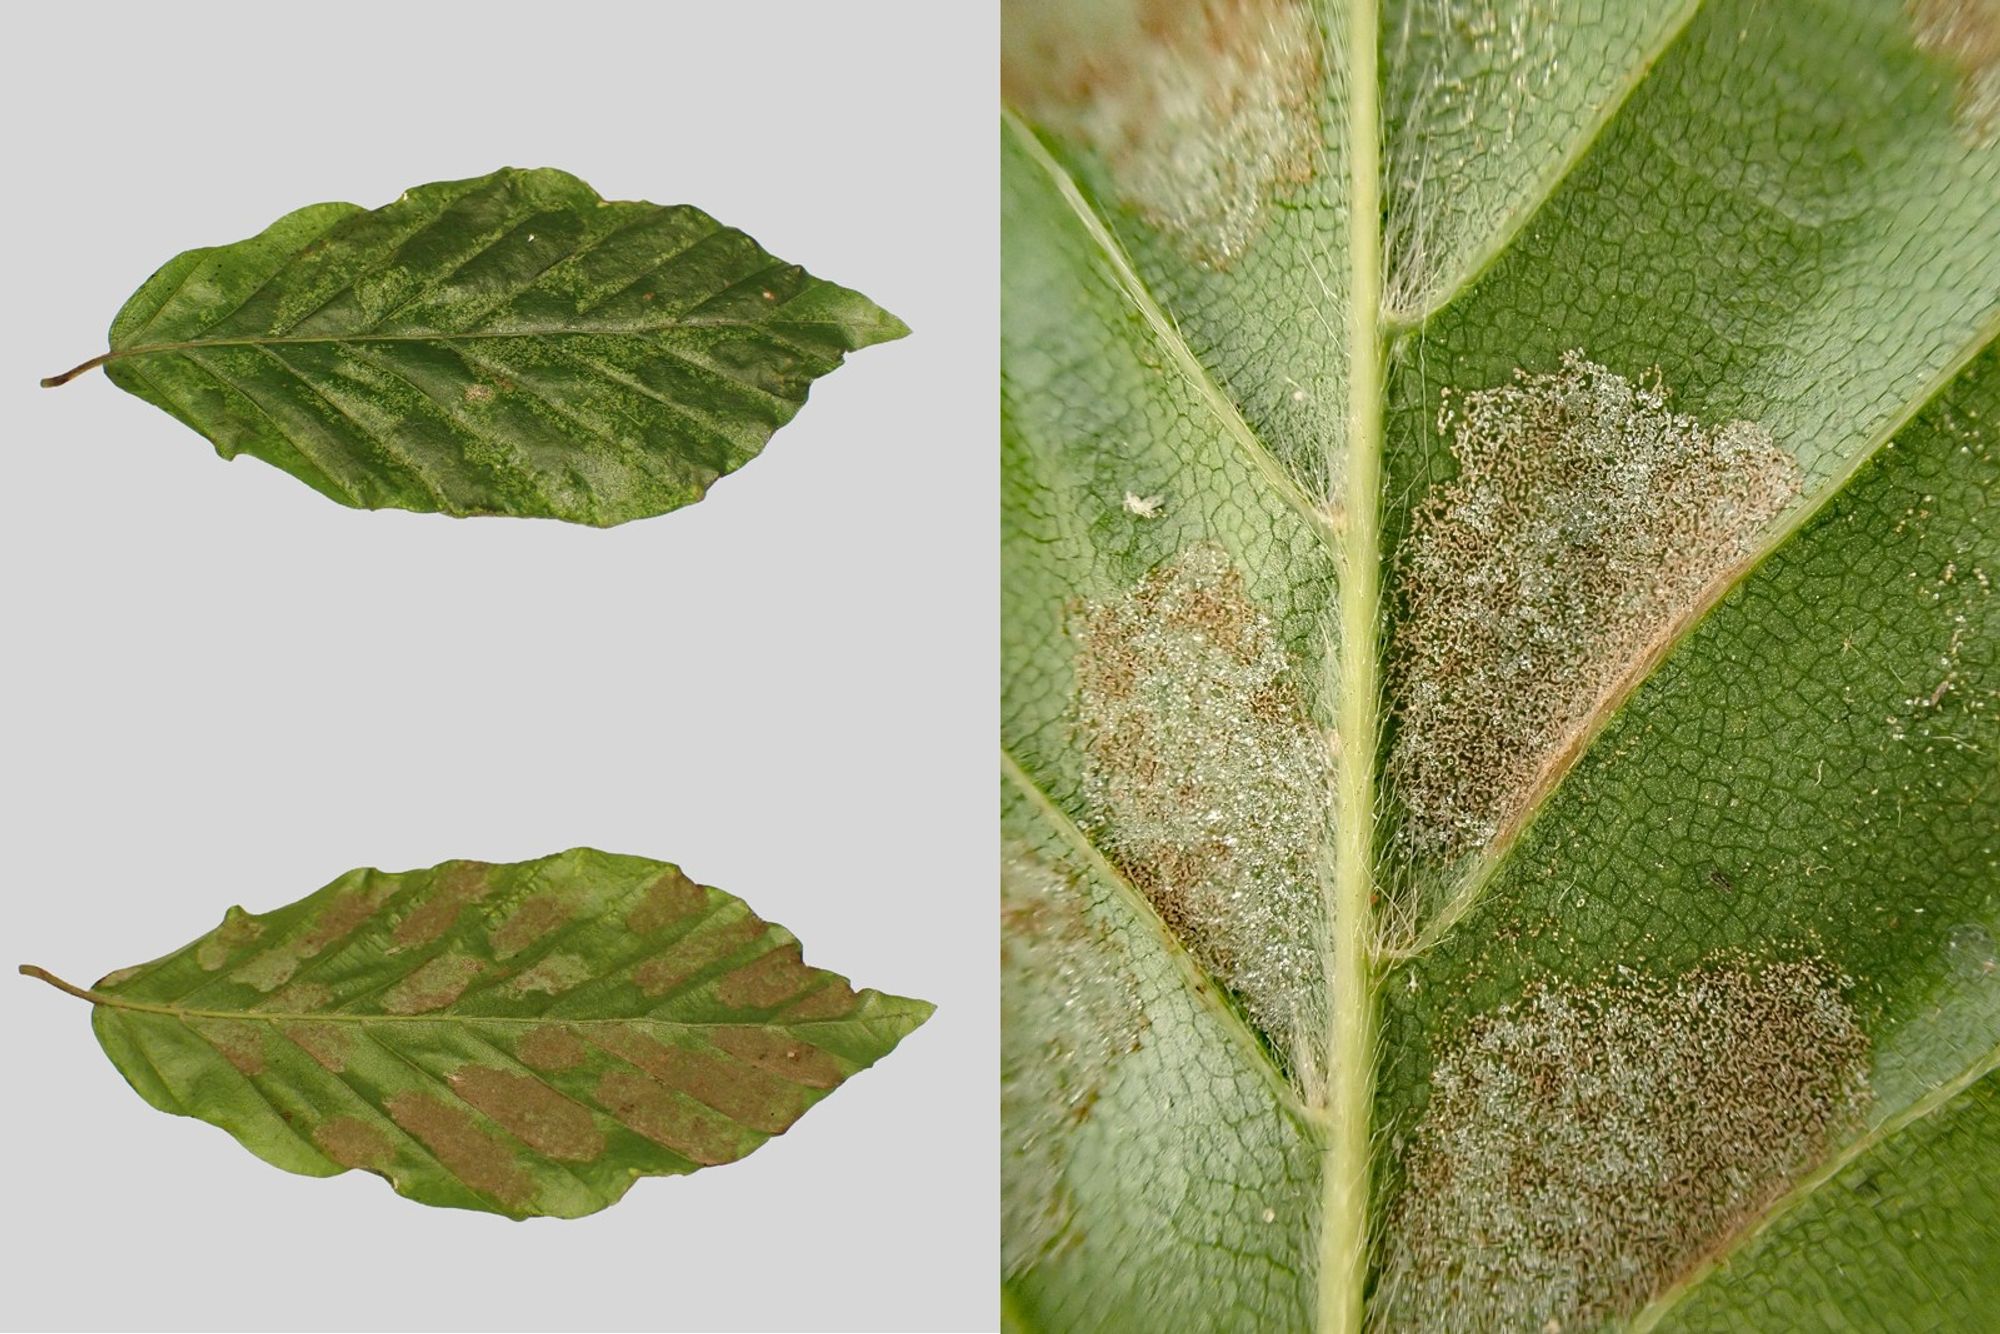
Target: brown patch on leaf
536 1114
472 1153
1586 1147
1207 780
435 984
550 1047
341 917
298 998
1204 111
535 918
552 976
326 1043
780 1053
345 915
1966 33
240 1041
744 1093
1587 523
768 981
238 929
689 955
670 1118
835 1000
352 1142
458 883
669 900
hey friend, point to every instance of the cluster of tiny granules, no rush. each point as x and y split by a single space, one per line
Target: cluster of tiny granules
1584 1148
1200 109
1586 522
1071 1009
1206 781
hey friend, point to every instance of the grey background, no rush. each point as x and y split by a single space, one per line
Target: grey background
223 688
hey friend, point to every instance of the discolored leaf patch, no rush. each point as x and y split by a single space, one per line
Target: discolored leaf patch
435 984
1588 520
326 1043
1204 111
1966 33
671 900
671 1119
474 1155
540 1117
1070 1009
1589 1144
352 1142
477 1065
1207 779
510 344
550 1047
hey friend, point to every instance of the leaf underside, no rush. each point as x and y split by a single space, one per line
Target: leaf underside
511 344
1683 922
527 1039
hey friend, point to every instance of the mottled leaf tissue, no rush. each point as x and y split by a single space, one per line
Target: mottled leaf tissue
527 1039
1501 670
512 344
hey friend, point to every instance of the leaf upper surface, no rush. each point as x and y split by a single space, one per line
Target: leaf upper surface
510 344
526 1039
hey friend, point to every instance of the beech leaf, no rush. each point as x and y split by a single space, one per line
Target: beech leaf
510 344
526 1038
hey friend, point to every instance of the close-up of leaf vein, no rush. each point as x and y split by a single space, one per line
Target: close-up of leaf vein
512 344
527 1039
1501 665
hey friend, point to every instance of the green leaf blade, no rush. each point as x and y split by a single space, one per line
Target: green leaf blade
1732 928
1904 1231
525 1039
510 344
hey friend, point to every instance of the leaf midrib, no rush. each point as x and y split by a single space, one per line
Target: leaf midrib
113 1001
1351 663
554 331
1381 327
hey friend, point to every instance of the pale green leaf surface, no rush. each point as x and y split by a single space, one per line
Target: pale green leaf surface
1485 106
1095 407
1786 211
1220 1213
510 344
525 1039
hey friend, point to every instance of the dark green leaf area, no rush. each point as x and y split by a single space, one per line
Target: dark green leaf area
527 1039
511 344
